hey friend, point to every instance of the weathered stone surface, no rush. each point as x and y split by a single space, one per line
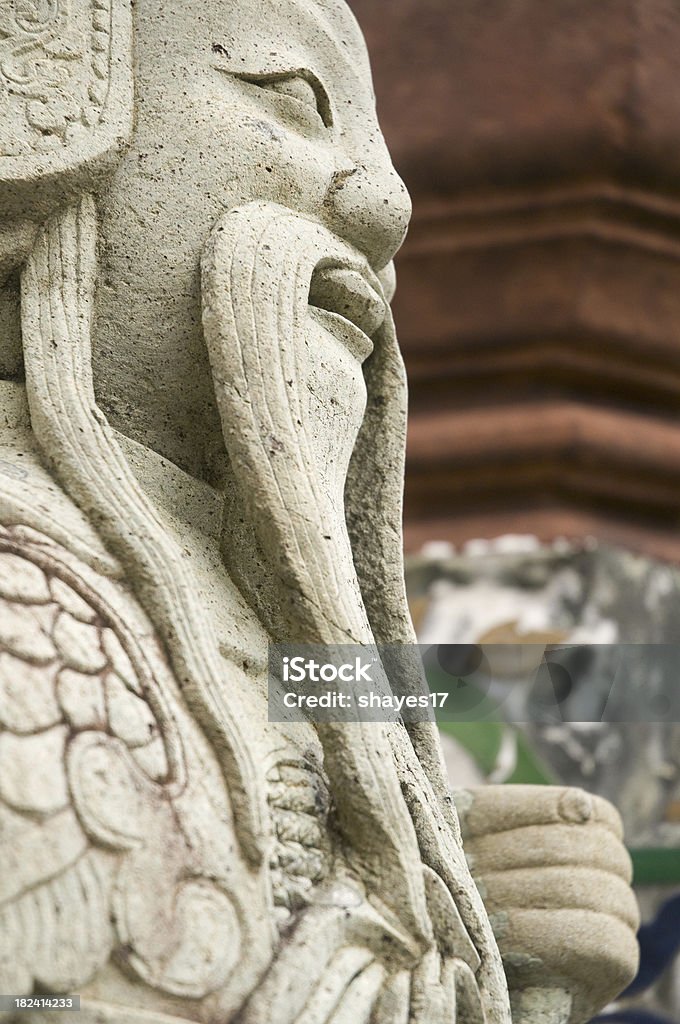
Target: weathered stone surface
558 893
207 455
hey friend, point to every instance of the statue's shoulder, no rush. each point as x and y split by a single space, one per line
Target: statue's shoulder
113 808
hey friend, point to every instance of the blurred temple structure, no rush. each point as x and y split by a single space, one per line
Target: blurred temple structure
538 299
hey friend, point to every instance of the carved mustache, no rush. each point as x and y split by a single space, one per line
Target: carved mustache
347 295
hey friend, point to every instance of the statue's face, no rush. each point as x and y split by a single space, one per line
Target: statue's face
237 101
266 99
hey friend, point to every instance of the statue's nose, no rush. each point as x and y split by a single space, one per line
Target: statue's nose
370 208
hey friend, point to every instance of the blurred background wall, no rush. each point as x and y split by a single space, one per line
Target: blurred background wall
538 309
538 297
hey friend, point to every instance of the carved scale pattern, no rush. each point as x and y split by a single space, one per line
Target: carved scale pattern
92 777
299 804
63 672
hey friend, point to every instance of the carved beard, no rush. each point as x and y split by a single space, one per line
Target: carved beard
292 399
281 370
312 535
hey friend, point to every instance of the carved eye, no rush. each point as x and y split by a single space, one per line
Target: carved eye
302 93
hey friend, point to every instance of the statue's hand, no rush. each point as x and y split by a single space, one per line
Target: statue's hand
554 875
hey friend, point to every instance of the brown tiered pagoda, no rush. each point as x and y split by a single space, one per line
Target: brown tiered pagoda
539 289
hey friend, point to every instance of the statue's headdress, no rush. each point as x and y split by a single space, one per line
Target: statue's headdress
65 99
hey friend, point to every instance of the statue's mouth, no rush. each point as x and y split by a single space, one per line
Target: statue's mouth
346 297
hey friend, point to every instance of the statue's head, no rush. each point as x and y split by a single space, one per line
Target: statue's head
256 100
236 102
245 100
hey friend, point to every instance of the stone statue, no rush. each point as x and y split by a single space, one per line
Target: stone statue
201 447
